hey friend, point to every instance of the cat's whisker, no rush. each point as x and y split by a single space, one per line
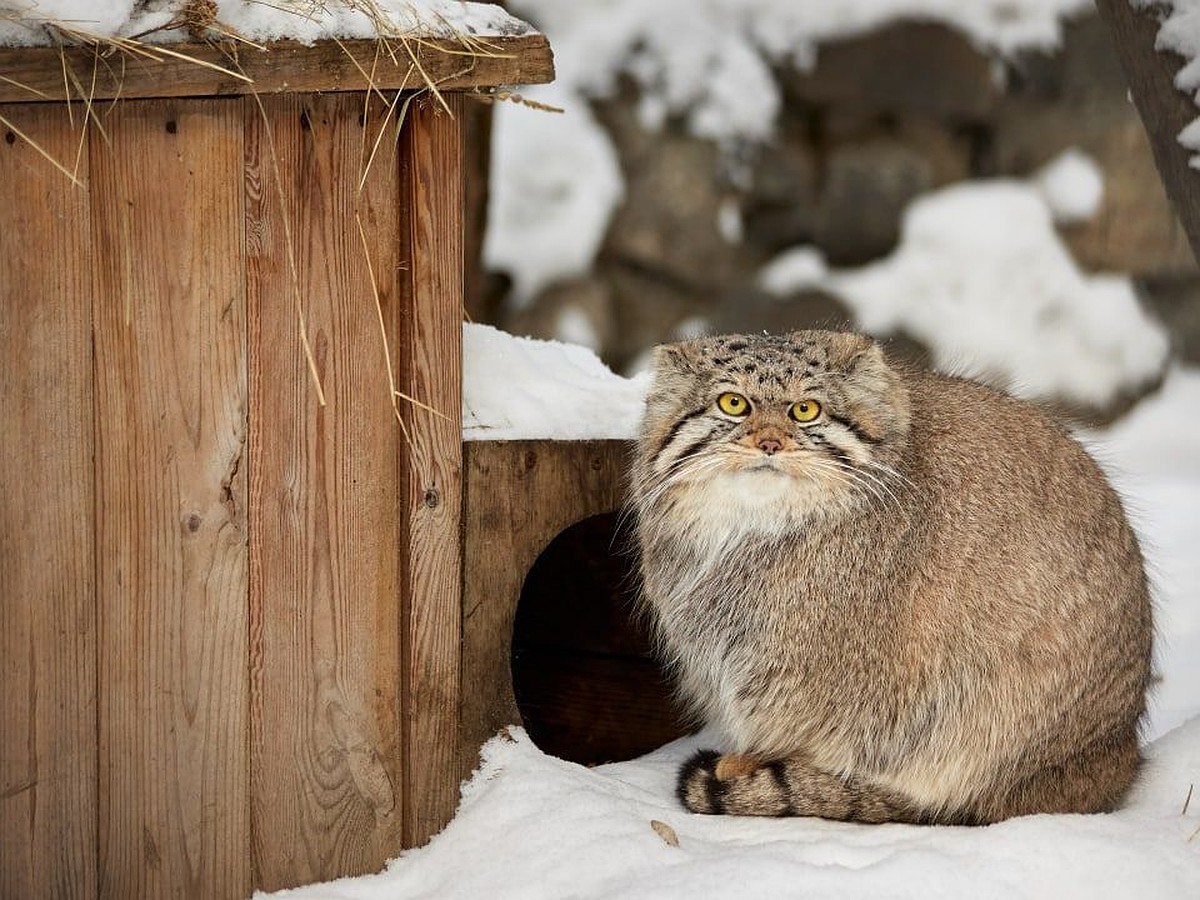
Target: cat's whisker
854 478
888 470
850 479
880 482
681 470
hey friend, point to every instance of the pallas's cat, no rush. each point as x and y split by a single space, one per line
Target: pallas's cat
897 596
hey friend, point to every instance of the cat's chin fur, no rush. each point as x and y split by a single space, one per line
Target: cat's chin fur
768 497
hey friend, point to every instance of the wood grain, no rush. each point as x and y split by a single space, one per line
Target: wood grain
47 578
432 197
326 485
36 73
171 500
1164 110
517 496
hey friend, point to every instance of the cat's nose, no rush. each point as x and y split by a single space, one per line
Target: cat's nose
769 446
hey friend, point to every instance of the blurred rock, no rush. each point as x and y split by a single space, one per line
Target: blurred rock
1176 302
752 310
649 309
882 118
780 206
908 68
867 186
579 311
669 218
1077 98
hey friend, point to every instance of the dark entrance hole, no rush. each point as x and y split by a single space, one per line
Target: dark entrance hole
586 682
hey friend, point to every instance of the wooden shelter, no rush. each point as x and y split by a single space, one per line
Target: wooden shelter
231 611
550 638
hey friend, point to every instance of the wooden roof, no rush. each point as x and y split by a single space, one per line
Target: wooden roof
33 74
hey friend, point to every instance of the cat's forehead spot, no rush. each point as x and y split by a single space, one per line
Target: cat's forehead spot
778 353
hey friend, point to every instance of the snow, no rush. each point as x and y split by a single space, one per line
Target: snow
573 326
981 277
260 20
516 388
795 269
531 826
1072 186
1153 457
711 60
709 63
554 183
1180 33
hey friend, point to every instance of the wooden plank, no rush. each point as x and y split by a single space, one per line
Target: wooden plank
47 578
1164 109
432 197
35 74
171 500
326 486
518 496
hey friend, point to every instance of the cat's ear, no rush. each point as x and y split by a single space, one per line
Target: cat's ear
673 358
883 402
869 362
848 351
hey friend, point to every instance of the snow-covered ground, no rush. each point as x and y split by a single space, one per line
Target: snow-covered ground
531 826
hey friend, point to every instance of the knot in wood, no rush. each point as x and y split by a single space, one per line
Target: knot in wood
432 497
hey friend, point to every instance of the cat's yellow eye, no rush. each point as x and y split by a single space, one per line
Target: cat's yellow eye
733 404
804 410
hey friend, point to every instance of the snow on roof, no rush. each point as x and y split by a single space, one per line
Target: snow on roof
516 388
259 20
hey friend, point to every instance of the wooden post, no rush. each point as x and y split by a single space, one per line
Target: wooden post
326 593
1164 109
433 201
171 538
47 550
